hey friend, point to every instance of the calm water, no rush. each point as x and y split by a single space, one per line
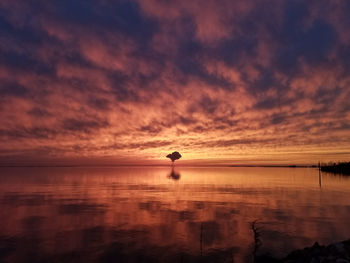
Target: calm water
153 215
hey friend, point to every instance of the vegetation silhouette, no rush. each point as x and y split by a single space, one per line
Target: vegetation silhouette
257 240
174 156
335 252
337 168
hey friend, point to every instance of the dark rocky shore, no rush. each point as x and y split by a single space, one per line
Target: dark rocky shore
336 252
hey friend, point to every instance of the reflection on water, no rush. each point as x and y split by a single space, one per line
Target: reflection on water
174 175
140 215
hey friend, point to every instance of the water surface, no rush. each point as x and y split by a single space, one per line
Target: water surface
154 214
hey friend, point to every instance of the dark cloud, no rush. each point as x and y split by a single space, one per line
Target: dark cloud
146 145
233 50
13 89
119 16
134 145
84 126
28 133
151 128
277 119
99 103
228 143
209 105
39 112
268 103
24 62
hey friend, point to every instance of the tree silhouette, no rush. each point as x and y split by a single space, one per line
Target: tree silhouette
174 156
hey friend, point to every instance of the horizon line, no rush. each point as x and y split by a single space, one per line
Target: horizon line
164 165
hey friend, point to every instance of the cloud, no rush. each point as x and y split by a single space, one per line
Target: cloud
112 78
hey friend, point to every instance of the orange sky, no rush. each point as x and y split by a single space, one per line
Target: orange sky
243 82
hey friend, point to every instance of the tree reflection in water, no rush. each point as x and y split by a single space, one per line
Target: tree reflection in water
174 175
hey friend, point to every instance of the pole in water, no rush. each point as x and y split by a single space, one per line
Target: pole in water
319 174
201 239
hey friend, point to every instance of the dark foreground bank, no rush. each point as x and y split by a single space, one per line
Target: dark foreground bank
336 252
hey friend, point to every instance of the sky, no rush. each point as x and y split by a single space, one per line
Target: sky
220 81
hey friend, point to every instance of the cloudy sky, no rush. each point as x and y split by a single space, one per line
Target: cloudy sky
221 81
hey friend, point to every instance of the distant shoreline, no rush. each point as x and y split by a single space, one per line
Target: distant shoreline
159 165
336 168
